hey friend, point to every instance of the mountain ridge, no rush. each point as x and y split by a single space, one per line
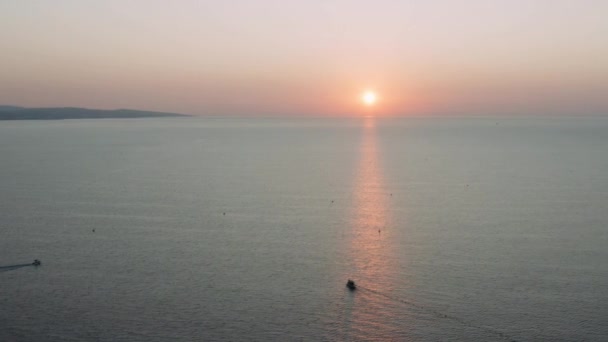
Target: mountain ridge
63 113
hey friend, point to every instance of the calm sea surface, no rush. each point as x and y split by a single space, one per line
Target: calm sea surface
247 229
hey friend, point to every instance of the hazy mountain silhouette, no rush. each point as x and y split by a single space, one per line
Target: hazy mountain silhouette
21 113
9 108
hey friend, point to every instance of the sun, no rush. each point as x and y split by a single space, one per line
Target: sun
369 98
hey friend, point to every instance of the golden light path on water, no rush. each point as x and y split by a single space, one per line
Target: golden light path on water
378 309
370 215
372 255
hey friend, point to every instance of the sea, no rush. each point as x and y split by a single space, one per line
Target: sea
247 229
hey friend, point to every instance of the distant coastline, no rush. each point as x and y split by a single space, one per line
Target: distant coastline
63 113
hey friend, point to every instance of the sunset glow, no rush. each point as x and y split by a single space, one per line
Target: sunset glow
369 98
308 58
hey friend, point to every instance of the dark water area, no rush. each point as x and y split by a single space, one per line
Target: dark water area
247 229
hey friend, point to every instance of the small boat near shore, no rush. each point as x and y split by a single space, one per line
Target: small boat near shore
36 262
351 285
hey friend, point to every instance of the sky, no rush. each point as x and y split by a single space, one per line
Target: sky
314 57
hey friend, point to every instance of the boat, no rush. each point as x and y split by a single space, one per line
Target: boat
36 262
351 285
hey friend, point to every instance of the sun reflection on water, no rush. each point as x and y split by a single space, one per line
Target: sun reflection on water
370 251
372 257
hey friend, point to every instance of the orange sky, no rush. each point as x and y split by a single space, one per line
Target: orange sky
313 58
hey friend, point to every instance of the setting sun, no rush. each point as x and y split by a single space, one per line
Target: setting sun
369 98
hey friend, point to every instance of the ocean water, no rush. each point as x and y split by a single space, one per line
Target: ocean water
247 229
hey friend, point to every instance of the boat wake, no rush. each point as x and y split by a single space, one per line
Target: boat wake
442 315
14 267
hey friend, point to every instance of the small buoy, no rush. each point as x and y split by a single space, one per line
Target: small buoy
224 214
93 230
351 285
